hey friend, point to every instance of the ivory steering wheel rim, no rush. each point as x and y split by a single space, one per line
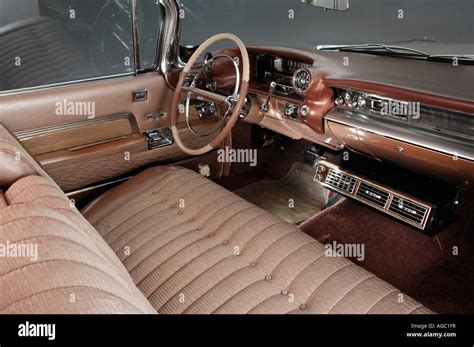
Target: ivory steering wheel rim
239 103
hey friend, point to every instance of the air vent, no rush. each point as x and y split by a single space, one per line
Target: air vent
340 181
408 210
383 198
372 194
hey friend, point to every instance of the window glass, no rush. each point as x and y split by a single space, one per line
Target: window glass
434 26
149 18
45 42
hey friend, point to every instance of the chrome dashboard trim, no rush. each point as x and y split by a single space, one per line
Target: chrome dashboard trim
443 143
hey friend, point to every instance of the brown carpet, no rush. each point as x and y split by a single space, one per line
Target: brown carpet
294 198
404 257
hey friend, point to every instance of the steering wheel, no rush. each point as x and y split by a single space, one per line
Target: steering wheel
233 103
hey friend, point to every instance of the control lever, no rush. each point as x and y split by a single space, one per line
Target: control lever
271 90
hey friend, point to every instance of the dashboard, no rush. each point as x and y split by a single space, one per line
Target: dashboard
411 113
390 109
396 118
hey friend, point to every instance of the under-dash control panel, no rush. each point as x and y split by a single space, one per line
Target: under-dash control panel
159 138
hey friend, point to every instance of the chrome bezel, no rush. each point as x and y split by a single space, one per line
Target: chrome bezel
310 80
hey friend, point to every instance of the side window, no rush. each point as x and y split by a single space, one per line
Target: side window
44 42
149 19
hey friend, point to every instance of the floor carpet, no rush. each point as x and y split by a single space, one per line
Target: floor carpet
438 272
294 198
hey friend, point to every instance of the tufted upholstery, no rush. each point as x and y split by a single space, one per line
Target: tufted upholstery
75 270
174 238
193 247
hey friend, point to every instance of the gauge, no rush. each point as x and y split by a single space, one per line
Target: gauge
302 80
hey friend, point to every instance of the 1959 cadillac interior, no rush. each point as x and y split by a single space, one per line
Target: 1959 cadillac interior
236 156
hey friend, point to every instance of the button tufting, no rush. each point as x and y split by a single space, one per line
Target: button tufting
268 277
303 307
284 292
180 212
225 242
173 206
253 264
199 227
191 219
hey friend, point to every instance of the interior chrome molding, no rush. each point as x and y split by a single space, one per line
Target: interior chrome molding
427 112
442 143
29 134
135 37
98 186
170 36
63 84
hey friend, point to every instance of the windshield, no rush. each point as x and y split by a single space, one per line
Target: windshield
433 26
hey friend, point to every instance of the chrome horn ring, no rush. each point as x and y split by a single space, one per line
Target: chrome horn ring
230 100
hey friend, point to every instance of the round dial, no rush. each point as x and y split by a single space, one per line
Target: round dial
302 80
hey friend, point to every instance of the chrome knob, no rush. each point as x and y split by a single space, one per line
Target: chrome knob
304 111
361 102
352 104
339 101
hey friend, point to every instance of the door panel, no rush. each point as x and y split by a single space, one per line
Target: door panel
37 109
78 134
78 152
75 168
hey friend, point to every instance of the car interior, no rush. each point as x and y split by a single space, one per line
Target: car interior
152 175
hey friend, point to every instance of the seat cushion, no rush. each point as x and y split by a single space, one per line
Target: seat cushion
193 247
65 266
